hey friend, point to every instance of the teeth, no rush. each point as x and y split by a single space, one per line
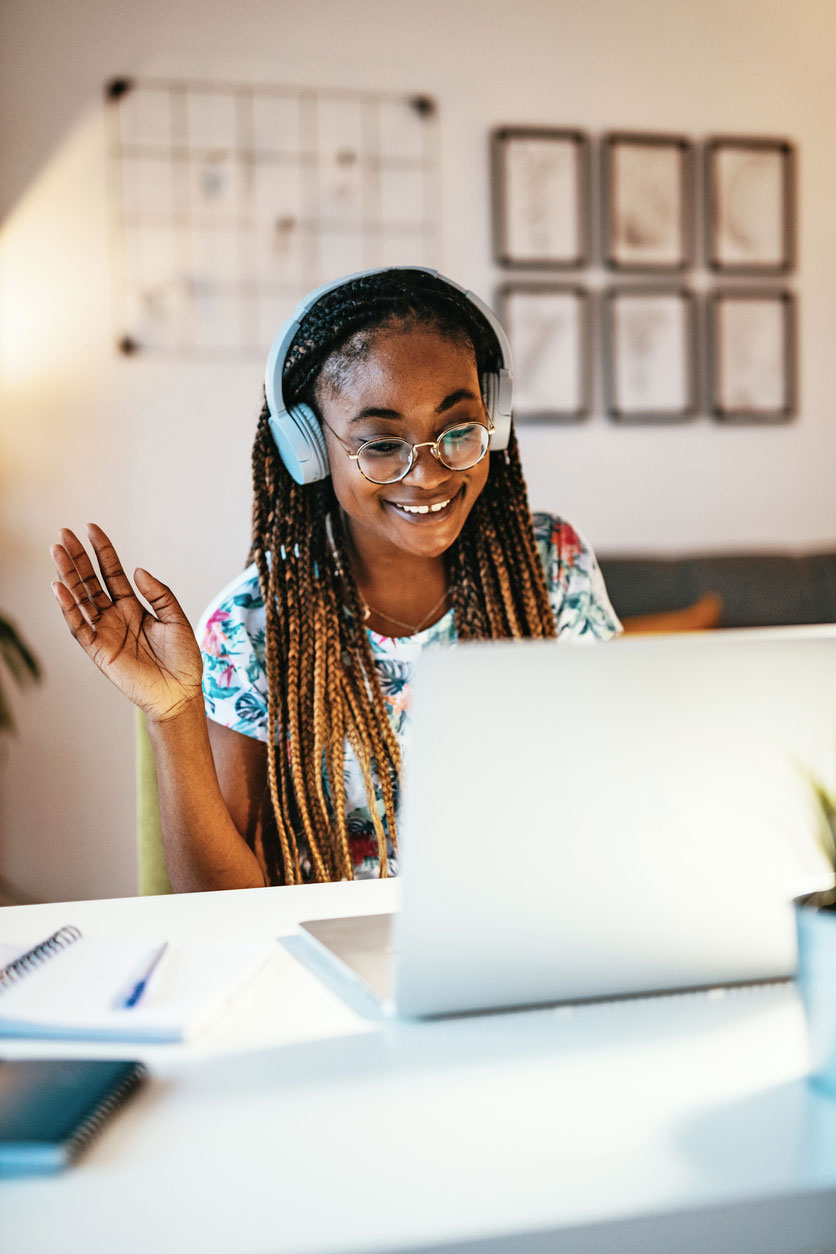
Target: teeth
425 509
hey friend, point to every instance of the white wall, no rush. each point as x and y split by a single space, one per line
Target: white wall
158 452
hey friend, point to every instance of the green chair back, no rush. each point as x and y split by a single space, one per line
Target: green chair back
153 876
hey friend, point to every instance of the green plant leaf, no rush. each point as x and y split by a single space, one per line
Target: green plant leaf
827 810
7 723
16 654
21 664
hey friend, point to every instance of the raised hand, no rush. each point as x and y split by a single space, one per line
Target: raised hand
154 658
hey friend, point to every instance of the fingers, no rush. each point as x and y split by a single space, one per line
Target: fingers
115 579
79 627
82 597
78 577
160 597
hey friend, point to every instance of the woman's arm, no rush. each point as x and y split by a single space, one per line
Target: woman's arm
154 659
210 793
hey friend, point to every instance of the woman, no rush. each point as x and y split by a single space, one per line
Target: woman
399 522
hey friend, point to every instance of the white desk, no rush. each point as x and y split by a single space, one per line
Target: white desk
670 1124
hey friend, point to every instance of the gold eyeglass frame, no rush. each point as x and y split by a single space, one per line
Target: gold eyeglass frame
432 445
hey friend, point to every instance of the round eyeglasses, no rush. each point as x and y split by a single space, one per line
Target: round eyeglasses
389 459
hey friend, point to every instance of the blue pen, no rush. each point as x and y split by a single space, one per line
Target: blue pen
142 983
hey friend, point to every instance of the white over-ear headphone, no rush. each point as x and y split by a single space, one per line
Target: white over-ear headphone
297 432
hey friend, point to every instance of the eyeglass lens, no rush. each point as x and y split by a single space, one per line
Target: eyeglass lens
459 448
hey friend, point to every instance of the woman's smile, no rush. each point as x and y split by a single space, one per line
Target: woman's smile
424 512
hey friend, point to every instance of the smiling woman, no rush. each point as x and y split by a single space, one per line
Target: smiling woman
390 515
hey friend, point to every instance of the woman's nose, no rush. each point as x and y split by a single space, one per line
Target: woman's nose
426 469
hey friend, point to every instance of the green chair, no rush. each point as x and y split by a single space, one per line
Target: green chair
153 876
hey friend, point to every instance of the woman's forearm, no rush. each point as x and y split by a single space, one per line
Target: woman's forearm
204 849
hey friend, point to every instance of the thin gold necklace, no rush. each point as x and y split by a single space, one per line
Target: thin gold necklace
368 610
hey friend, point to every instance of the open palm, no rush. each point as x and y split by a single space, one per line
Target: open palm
153 658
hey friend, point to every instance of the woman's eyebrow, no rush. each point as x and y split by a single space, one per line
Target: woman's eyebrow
463 394
377 411
374 411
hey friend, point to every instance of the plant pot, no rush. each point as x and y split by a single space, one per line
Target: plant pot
815 922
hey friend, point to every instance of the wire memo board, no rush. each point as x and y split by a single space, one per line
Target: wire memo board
230 202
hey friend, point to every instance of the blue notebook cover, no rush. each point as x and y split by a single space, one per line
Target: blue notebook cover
51 1108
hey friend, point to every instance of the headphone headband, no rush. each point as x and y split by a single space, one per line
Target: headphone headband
297 432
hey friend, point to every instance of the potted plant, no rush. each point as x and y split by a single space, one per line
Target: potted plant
815 920
19 661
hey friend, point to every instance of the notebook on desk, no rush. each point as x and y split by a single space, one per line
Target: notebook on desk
81 987
588 822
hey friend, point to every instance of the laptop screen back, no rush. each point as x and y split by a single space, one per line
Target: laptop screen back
580 822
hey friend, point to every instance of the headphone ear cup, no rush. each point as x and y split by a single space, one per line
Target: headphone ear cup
301 444
305 417
497 393
296 432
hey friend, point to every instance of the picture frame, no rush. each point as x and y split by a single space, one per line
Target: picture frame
750 199
549 327
649 339
647 199
752 348
540 194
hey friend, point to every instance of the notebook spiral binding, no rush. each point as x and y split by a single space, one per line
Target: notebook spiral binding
34 957
86 1130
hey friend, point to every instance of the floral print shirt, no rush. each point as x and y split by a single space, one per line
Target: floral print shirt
232 639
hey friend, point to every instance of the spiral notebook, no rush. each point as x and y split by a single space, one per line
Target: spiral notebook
51 1108
93 988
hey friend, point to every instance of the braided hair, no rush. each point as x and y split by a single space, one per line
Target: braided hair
323 690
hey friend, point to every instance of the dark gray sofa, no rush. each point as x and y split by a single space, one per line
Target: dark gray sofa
756 589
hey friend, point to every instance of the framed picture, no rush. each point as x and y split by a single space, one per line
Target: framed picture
752 354
649 354
750 206
540 185
549 330
647 183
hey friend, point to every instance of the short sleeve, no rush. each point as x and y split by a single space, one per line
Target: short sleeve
581 606
231 634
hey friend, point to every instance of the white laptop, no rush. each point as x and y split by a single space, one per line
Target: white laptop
581 822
